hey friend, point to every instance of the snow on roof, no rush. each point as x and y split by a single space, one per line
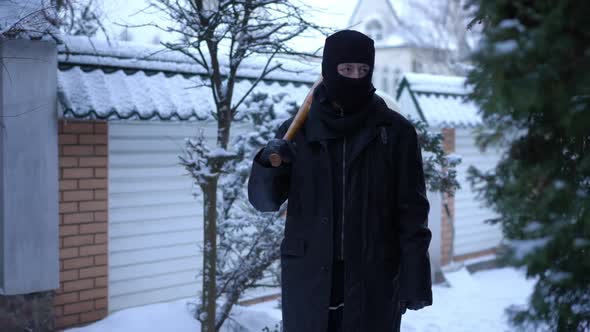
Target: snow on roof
98 94
437 83
394 40
440 100
389 100
90 51
133 81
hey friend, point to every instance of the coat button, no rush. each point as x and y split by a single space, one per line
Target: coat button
324 220
324 268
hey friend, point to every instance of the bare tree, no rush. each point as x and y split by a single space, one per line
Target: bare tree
39 18
79 17
248 240
445 26
220 36
30 19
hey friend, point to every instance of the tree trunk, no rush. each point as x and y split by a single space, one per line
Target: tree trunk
209 255
223 125
210 226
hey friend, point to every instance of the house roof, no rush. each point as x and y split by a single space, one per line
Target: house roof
361 2
440 100
123 80
391 38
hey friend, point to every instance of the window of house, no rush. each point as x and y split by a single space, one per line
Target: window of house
417 66
374 29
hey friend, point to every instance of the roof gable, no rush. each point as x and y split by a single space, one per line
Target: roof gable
368 12
438 100
371 6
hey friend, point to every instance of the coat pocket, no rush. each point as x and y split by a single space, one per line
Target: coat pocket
293 247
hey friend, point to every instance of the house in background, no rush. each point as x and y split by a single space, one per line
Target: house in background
395 53
439 101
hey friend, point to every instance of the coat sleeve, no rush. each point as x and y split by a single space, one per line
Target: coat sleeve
268 186
412 213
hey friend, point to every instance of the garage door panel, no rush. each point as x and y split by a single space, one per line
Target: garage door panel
147 172
154 240
492 232
146 284
154 226
177 292
165 183
155 221
474 233
471 232
469 242
143 256
166 266
142 129
161 197
164 145
143 159
129 214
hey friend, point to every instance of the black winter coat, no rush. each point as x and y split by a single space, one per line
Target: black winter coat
386 237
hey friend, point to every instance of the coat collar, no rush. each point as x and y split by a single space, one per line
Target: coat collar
314 133
313 127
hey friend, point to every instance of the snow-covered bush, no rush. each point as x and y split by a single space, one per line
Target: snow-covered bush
248 240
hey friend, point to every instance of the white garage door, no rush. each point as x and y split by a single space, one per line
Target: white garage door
471 233
155 221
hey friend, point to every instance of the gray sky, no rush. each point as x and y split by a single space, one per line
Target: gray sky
331 13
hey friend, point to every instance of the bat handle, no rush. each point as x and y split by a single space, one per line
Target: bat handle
275 160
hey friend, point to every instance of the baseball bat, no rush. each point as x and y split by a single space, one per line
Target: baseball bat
298 121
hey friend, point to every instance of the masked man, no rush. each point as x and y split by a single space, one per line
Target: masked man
355 249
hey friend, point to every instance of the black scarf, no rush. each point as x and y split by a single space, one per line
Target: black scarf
334 122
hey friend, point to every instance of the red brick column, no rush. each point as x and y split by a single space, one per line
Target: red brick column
83 207
447 223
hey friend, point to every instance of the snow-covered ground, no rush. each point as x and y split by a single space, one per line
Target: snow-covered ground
472 302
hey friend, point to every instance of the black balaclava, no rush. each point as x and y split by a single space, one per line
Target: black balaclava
348 46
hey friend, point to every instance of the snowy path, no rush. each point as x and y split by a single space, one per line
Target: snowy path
472 303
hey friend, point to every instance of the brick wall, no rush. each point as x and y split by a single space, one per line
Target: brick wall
83 208
447 226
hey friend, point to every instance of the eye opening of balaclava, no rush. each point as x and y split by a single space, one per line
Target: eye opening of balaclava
348 46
